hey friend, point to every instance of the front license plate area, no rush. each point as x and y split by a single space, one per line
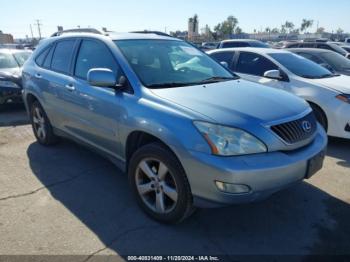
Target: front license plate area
315 164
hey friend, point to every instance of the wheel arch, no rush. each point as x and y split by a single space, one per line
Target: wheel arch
313 104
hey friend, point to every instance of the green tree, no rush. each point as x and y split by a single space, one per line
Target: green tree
340 31
227 27
306 23
320 30
275 30
289 25
238 30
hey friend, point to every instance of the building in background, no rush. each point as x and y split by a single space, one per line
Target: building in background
6 38
193 25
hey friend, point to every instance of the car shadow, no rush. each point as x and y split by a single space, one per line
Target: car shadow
13 115
301 220
339 148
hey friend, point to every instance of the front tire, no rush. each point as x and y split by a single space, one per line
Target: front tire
41 125
159 184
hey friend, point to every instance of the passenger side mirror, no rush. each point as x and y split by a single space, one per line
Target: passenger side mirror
223 63
273 74
101 77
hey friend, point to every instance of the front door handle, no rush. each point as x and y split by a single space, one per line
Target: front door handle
70 87
37 75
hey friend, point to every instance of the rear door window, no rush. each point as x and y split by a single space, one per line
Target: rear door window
223 57
62 56
254 64
235 44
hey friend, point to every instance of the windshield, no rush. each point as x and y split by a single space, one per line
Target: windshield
301 66
336 60
164 63
21 57
7 61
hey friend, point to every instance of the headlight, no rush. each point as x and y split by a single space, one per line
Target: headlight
229 141
343 97
8 84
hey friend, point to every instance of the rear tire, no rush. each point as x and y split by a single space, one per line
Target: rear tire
155 176
41 125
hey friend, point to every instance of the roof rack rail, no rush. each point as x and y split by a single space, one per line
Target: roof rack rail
77 30
151 32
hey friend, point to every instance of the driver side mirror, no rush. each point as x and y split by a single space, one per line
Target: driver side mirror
273 74
223 63
101 77
104 77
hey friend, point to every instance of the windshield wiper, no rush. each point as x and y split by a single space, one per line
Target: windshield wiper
215 79
167 85
319 76
328 75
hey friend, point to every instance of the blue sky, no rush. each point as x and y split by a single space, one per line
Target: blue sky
127 15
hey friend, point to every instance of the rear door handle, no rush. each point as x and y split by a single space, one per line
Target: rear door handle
37 75
70 87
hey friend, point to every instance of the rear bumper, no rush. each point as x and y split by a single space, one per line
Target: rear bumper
264 174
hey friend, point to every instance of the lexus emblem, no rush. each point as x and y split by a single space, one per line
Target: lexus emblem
306 125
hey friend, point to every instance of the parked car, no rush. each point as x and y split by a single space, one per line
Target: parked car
230 43
186 137
206 46
327 93
284 44
11 62
333 61
346 48
328 46
347 40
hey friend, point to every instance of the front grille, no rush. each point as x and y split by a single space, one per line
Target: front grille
297 130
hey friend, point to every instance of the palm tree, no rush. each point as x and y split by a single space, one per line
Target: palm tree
289 25
307 23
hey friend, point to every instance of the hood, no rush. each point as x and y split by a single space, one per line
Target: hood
236 103
339 83
11 74
10 71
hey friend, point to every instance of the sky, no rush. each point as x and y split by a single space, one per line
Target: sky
129 15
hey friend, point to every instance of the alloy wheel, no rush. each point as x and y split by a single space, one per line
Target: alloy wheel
39 123
156 186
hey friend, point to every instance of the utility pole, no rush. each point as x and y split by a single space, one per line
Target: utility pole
38 25
31 31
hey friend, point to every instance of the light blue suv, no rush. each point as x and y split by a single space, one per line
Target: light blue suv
188 132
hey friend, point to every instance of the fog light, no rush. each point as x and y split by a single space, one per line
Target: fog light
232 188
347 128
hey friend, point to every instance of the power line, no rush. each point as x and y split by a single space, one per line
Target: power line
38 24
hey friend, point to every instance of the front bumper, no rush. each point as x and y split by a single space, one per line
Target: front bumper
338 116
264 173
10 95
